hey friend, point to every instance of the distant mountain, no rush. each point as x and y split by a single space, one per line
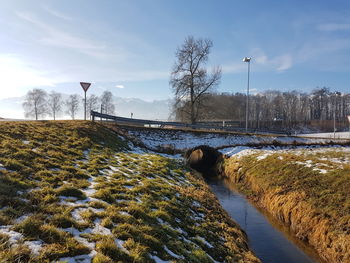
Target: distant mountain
155 110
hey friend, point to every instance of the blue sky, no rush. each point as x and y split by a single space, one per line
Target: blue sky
128 47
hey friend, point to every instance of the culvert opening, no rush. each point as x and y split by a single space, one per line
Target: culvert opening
203 159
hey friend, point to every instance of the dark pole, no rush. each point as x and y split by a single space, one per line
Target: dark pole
101 111
334 109
85 105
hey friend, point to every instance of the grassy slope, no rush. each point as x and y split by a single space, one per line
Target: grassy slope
72 189
308 190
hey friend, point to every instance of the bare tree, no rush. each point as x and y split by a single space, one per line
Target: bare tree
91 104
35 104
72 105
55 103
107 102
189 79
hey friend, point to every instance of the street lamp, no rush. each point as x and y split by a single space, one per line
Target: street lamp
246 59
334 110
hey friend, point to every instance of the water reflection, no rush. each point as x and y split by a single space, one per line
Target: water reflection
268 243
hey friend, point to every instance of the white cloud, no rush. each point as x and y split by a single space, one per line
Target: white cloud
261 62
234 67
262 59
120 86
58 14
278 63
283 62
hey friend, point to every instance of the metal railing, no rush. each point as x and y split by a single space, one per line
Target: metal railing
229 126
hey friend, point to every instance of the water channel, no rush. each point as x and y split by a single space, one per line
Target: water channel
269 240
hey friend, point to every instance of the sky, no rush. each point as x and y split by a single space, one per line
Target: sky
128 47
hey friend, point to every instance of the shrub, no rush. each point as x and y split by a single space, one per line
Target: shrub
50 234
108 248
14 165
29 227
20 253
4 241
100 258
62 220
68 190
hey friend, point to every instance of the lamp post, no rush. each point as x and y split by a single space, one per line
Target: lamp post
246 59
334 110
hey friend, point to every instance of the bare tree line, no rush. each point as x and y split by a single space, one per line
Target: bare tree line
38 104
291 109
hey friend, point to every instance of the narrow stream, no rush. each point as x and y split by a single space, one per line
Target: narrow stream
270 242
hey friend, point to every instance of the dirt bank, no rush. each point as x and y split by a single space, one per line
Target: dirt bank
308 191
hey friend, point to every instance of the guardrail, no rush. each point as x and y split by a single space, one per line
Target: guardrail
213 125
161 124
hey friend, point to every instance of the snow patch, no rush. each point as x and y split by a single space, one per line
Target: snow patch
171 253
205 242
34 246
158 260
78 259
120 243
14 236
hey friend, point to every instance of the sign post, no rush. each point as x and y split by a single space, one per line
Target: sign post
349 124
85 86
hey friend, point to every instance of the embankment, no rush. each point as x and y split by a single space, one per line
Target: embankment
308 190
76 191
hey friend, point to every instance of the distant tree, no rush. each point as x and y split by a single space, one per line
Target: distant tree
72 105
189 78
55 103
107 102
35 104
91 104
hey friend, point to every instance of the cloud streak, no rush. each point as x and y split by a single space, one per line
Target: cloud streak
55 37
261 62
334 27
58 14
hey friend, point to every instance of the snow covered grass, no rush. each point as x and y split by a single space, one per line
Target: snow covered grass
181 140
77 192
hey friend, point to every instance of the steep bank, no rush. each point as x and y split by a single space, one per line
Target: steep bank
308 190
78 192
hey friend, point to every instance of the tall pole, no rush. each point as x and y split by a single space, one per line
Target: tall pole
334 124
246 59
334 109
247 110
